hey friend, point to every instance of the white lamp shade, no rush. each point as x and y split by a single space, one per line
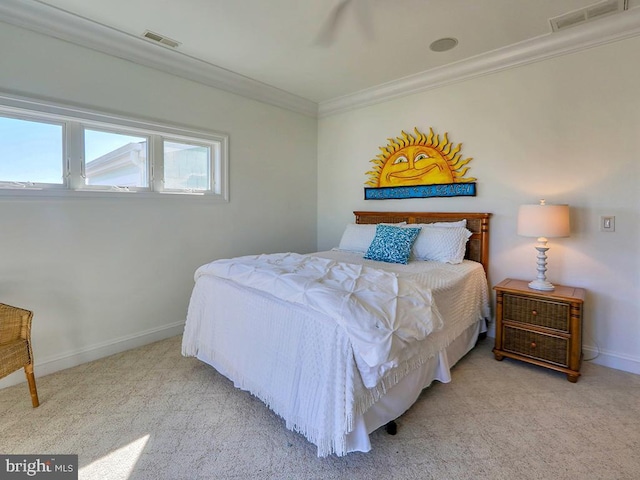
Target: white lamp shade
543 221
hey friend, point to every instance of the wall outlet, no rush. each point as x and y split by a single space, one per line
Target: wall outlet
607 223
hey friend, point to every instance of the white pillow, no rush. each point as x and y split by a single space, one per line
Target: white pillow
358 236
461 223
441 244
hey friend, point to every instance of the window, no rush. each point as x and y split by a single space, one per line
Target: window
53 149
187 166
115 159
31 152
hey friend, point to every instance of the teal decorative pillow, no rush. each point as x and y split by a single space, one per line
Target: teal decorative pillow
392 244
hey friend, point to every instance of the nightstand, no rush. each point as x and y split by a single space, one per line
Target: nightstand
539 327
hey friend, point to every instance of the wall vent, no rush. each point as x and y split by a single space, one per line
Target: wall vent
156 37
587 14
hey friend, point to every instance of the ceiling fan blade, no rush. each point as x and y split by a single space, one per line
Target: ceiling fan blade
328 30
363 14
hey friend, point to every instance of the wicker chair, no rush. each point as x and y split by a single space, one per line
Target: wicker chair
15 345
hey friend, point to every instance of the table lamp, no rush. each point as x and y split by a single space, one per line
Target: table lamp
543 221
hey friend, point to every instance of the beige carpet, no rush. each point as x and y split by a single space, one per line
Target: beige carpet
149 413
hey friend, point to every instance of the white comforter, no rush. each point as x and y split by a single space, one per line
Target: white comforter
380 311
303 362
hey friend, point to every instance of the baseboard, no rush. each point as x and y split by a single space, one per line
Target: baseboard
94 352
611 360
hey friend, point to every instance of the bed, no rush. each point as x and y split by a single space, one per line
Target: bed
336 362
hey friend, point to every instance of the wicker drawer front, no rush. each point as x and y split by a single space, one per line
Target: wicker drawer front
536 312
536 345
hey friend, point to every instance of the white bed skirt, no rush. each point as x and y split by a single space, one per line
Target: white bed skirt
400 397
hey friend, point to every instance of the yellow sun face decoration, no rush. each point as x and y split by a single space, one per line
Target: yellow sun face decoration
418 160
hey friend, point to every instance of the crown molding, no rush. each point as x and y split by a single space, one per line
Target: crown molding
54 22
610 29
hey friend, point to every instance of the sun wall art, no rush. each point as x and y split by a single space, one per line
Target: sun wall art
419 166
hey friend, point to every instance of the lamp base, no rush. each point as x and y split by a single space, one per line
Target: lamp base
542 285
541 282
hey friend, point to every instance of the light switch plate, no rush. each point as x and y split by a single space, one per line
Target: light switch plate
607 223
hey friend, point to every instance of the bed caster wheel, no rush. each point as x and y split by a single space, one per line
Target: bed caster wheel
391 427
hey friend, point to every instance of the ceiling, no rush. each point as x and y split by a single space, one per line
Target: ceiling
276 42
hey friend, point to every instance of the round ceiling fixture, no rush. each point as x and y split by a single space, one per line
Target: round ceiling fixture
443 44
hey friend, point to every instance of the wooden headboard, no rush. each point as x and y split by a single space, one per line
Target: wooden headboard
477 223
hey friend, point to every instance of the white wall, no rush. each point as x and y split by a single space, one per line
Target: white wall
567 130
103 275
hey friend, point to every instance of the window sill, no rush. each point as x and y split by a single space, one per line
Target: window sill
62 193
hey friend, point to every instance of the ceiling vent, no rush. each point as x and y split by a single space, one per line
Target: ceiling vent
156 37
587 14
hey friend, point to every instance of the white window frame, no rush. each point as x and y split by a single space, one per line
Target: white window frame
77 139
74 120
